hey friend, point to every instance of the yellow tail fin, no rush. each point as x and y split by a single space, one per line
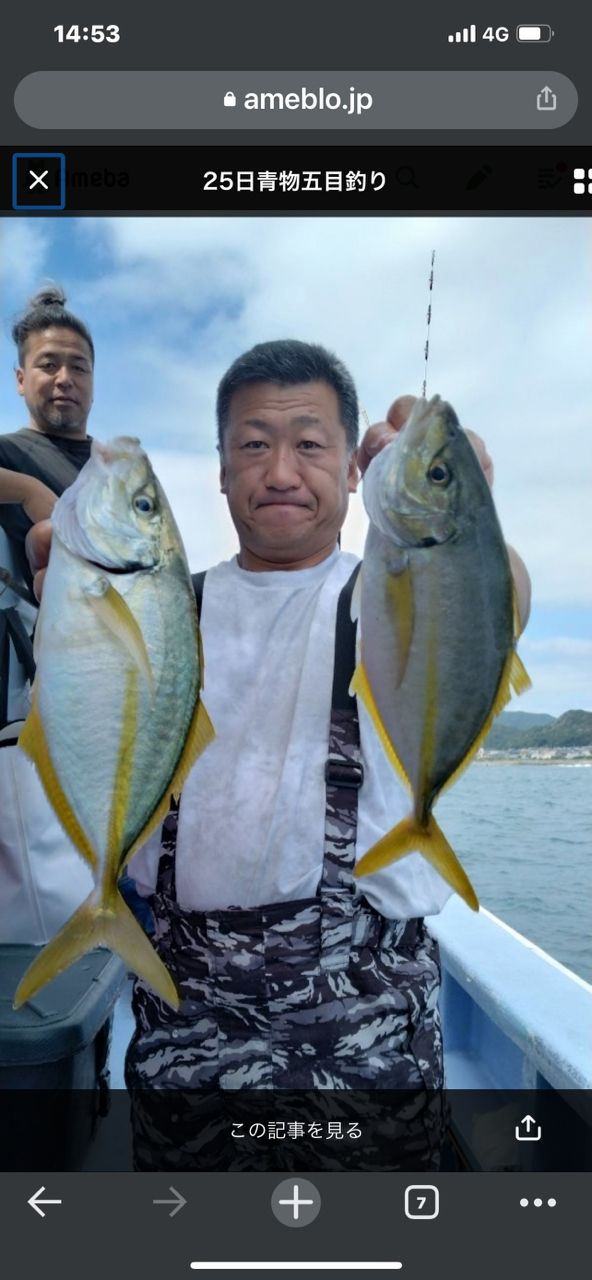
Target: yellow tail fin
408 837
94 925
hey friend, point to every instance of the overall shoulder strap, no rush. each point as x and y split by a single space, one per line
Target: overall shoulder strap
345 648
344 775
198 580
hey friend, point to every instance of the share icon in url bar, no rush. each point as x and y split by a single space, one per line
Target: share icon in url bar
296 1266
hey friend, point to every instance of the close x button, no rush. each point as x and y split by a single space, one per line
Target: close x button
38 180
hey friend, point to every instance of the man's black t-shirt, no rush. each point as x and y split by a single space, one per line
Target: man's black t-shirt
54 460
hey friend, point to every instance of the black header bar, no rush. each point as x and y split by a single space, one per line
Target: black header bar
309 180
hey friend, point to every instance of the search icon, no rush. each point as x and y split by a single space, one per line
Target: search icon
405 176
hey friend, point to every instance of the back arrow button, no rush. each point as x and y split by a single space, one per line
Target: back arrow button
35 1202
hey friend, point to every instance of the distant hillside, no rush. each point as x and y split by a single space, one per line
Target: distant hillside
524 719
509 727
521 729
572 729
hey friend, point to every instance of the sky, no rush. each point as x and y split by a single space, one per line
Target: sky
171 303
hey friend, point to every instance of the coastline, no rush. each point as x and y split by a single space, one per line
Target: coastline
574 757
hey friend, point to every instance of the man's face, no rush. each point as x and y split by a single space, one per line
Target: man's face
56 381
286 472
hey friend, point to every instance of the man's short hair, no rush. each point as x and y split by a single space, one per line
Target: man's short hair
287 362
48 310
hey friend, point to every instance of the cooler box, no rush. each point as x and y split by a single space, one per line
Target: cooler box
54 1082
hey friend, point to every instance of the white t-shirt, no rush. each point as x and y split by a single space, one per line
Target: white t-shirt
251 819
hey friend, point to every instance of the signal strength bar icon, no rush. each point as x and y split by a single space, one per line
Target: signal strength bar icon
468 35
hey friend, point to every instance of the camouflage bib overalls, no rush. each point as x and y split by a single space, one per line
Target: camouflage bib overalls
318 994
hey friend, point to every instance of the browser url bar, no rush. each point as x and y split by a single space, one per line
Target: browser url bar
236 100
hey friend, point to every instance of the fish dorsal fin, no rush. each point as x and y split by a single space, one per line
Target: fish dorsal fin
399 589
360 686
199 735
514 677
113 611
33 742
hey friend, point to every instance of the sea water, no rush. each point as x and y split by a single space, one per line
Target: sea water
523 833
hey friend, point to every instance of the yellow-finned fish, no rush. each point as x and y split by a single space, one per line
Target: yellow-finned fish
116 720
438 622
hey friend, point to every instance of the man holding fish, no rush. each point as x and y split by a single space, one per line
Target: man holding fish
291 971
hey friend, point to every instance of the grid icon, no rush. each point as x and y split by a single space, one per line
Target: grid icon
582 182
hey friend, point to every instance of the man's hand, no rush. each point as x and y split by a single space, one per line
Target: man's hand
37 547
377 436
383 432
483 456
38 501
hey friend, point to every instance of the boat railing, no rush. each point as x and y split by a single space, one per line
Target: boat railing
514 1018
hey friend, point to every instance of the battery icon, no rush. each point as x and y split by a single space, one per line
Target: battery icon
535 35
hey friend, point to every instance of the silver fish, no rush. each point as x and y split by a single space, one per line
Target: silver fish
438 623
117 719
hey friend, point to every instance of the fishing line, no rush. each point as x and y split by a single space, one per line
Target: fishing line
429 320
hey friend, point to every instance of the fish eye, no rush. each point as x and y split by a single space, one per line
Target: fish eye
439 474
143 504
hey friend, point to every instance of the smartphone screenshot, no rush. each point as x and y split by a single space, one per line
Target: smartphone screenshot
295 640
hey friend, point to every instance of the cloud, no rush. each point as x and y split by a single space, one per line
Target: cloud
23 252
564 646
191 484
556 686
171 302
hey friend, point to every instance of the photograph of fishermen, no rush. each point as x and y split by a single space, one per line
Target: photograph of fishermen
301 731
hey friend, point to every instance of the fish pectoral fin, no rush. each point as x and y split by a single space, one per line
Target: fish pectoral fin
430 841
360 686
33 742
399 592
519 677
199 735
95 926
115 614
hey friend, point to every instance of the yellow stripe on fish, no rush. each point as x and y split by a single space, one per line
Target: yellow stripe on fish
33 742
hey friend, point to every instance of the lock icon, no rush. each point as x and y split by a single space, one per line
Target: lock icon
230 99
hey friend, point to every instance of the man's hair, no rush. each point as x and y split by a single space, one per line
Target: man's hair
287 362
47 308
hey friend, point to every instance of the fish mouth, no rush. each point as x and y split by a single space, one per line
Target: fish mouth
435 542
133 567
